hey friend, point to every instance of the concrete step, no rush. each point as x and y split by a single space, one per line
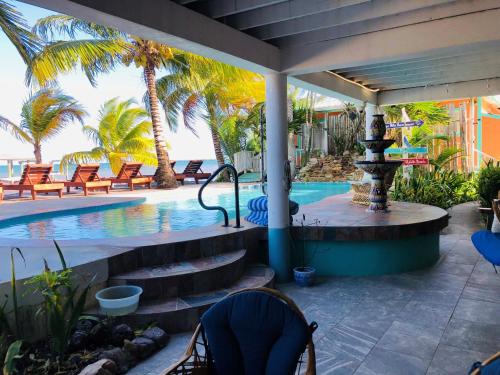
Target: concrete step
183 313
185 278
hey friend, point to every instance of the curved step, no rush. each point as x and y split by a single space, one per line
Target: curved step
183 314
184 278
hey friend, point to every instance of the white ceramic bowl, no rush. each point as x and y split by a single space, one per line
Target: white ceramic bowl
119 300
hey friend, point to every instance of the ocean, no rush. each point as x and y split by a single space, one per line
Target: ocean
105 170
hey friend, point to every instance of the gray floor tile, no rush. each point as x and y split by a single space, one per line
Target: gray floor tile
478 311
450 360
490 293
426 314
407 338
385 362
472 336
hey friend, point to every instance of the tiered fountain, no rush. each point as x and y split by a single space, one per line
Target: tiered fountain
378 167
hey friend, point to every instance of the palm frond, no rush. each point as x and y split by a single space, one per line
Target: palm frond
94 155
94 56
15 130
53 26
16 29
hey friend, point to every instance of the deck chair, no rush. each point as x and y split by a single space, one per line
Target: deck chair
130 174
252 331
193 170
491 366
36 179
86 178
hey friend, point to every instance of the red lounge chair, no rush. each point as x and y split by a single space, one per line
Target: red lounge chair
193 170
130 174
87 178
36 179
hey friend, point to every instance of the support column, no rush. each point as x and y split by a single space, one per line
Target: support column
277 154
370 110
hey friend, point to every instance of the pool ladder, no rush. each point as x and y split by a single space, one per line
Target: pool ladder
234 172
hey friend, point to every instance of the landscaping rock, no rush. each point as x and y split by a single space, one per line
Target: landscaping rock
329 168
120 333
101 367
120 357
78 340
84 325
140 347
158 335
100 334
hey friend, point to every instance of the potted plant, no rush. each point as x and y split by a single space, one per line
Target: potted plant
304 275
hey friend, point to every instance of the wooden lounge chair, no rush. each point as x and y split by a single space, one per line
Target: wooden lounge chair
130 174
36 179
87 178
193 170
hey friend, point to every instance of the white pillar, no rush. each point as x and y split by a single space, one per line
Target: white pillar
277 154
370 110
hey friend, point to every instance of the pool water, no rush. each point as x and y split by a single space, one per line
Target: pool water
148 218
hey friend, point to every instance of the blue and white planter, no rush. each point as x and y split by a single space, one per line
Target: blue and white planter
304 276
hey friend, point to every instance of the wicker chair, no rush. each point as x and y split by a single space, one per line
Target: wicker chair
197 359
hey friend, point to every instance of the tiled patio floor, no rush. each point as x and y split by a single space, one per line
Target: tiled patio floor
437 321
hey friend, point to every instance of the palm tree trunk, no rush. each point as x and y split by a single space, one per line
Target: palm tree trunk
219 156
38 153
165 175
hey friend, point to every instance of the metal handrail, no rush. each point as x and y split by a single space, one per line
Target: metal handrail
236 195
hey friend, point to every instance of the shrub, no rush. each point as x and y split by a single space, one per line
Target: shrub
488 183
439 187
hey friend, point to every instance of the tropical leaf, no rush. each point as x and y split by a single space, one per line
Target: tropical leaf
13 353
16 30
94 56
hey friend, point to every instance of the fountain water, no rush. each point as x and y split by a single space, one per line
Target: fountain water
378 167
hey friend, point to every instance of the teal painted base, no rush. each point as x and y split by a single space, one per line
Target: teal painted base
365 258
279 253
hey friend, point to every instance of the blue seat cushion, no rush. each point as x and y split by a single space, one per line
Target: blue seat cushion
488 244
254 333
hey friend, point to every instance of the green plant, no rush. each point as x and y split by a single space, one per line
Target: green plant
61 306
488 183
438 187
13 353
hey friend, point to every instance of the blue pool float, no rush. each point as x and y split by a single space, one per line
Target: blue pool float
258 210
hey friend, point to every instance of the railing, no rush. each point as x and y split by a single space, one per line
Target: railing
236 195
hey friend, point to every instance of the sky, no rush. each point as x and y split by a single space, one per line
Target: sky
124 82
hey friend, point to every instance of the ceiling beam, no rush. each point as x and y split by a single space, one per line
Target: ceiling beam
459 90
176 26
421 64
435 70
437 37
342 16
330 85
370 24
289 10
223 8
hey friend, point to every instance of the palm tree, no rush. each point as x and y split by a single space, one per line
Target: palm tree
213 92
102 52
123 134
16 30
43 116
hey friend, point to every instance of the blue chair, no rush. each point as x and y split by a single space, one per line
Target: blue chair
251 332
258 210
488 245
489 367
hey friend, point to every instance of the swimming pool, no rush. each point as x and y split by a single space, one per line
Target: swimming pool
151 216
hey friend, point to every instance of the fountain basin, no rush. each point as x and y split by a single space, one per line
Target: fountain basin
378 169
375 145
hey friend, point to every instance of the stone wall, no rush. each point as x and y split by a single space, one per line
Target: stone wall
330 168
